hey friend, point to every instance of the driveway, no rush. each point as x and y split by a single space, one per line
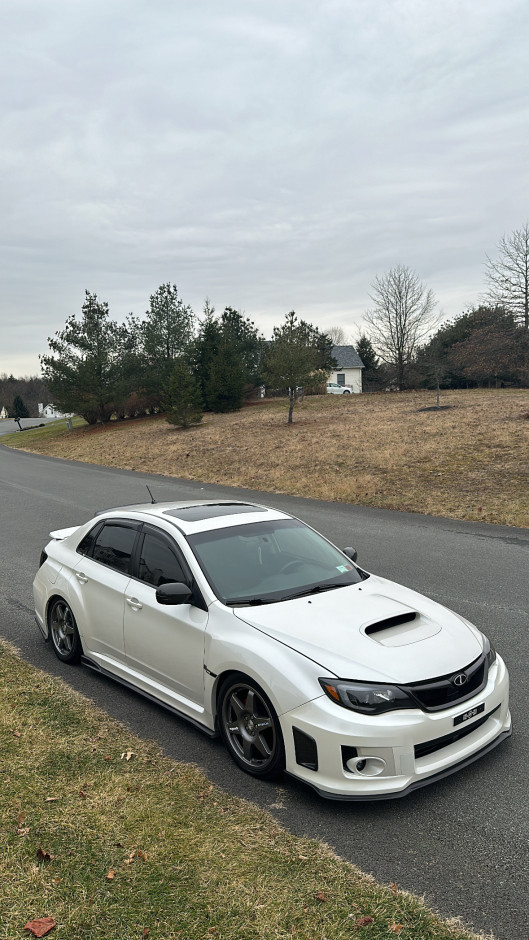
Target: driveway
464 842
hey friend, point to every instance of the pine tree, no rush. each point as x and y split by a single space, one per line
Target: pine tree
182 399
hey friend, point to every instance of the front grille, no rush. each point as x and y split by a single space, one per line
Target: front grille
443 693
421 750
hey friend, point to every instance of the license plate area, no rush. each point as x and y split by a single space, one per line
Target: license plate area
470 713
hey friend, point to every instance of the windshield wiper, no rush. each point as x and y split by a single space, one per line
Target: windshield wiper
317 589
252 601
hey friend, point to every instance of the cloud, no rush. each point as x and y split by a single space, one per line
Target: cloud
268 156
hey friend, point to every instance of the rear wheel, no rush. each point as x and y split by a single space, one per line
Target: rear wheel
250 727
64 634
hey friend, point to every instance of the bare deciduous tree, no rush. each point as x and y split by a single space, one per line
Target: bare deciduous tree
508 276
337 334
402 316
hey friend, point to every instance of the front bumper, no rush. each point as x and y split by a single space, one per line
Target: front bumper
348 756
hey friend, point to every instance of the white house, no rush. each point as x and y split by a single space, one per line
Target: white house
50 411
349 370
3 413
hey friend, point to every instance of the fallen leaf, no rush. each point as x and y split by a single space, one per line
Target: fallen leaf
111 874
394 888
21 818
16 733
142 855
396 928
107 756
127 755
44 856
41 926
23 832
146 932
51 799
363 922
321 896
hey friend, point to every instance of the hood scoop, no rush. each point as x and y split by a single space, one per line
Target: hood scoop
389 622
401 629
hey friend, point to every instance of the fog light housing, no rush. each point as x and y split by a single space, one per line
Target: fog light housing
366 766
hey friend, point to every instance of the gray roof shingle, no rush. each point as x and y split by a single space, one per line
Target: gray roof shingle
347 357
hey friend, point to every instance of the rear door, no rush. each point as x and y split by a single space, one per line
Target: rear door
99 582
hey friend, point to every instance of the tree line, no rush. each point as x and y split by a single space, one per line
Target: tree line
171 362
488 344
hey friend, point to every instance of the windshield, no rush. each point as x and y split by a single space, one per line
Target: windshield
265 562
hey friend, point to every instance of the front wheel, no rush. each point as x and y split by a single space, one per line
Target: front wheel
250 727
64 634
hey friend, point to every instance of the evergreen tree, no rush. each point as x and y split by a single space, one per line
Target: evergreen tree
165 334
19 409
371 373
298 357
83 373
227 379
181 399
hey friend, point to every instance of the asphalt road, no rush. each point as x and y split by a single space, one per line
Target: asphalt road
462 843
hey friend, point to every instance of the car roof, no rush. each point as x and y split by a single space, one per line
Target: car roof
192 516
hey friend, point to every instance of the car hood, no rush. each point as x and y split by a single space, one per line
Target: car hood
372 631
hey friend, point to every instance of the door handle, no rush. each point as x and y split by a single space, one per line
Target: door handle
82 578
134 603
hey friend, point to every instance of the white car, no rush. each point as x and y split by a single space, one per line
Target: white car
334 389
253 626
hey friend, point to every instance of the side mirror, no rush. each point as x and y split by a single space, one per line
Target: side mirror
173 593
351 553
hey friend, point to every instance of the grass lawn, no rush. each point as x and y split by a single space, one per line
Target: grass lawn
107 838
467 460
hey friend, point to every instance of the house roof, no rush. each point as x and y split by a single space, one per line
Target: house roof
347 357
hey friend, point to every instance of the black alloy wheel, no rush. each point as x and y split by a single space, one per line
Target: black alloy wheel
250 728
64 634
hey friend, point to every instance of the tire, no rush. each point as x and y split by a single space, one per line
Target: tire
347 392
250 727
64 634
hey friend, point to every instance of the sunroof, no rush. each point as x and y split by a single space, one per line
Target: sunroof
198 513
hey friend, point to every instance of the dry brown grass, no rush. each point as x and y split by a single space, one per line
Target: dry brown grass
469 460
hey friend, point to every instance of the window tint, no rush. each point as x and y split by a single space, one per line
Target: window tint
158 564
85 545
113 546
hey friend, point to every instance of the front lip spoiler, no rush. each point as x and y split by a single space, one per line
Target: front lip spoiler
417 784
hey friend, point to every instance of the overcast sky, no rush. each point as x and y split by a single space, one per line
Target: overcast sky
269 155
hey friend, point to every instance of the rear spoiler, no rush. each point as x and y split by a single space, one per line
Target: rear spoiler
61 534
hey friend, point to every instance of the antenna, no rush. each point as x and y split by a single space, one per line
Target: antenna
150 494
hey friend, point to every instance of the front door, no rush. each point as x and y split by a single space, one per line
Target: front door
164 645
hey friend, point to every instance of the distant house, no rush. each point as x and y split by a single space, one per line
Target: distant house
349 370
50 411
3 413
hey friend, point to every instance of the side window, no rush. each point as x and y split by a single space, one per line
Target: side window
87 543
158 564
113 546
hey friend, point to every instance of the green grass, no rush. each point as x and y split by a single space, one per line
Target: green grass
123 848
50 430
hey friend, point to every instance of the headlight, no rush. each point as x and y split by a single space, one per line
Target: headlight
489 650
368 698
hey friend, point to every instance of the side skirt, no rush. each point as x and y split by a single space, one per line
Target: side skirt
152 698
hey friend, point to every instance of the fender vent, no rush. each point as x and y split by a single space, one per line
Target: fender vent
390 622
